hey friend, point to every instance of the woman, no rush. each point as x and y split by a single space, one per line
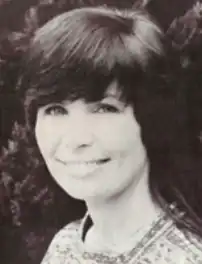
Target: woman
24 197
103 108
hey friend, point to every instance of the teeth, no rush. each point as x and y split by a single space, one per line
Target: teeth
82 168
91 162
82 162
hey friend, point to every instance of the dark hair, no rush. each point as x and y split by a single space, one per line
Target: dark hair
18 22
22 194
90 47
185 35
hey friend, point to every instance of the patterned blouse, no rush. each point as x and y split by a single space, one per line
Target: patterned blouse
160 243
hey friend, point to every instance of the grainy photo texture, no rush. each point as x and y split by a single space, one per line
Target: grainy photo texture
101 132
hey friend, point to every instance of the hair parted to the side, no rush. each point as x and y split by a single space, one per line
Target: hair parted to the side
79 53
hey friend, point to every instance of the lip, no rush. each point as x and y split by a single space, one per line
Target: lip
85 162
81 169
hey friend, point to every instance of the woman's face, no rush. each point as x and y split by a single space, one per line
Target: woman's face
91 149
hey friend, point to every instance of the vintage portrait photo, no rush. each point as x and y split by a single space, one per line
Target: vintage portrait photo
100 132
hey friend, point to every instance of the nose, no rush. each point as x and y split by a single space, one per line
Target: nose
78 135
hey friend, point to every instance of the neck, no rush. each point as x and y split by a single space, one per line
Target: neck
117 218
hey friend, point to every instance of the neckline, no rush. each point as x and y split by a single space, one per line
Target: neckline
155 224
151 232
155 228
87 223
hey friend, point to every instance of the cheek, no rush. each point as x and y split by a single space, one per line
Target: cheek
47 136
118 134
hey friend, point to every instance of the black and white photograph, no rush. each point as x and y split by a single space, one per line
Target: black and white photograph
100 132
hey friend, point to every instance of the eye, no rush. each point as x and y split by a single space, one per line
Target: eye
55 110
106 108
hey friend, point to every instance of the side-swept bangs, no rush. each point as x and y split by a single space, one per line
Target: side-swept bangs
79 53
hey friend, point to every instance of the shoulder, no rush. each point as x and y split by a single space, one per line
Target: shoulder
68 232
190 243
173 244
195 244
62 243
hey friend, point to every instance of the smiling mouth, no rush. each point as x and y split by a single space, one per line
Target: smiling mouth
81 162
82 169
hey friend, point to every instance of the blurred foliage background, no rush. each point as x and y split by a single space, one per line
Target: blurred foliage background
26 243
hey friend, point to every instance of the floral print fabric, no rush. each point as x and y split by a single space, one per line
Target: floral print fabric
162 243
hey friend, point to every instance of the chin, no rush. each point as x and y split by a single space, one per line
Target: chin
76 193
86 194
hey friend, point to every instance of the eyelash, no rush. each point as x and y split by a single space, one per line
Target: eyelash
102 108
106 108
57 110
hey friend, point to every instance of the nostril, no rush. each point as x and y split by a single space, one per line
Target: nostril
77 139
84 145
79 143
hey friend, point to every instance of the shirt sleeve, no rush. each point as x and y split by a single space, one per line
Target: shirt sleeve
53 254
